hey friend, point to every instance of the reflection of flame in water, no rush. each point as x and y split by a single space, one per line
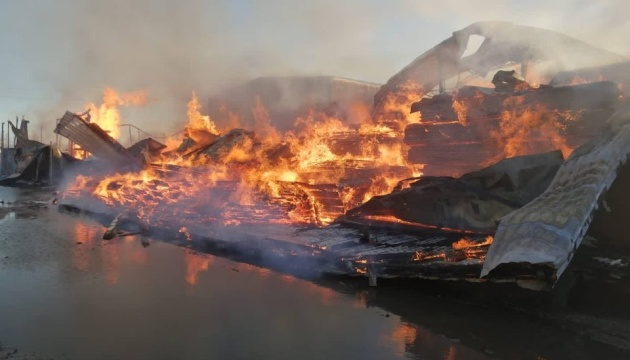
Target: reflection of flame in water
287 279
451 353
195 263
326 296
262 272
80 255
110 258
361 299
404 336
139 256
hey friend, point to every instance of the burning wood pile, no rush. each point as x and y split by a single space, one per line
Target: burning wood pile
353 194
309 176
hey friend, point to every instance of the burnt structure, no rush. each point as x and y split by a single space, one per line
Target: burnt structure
520 219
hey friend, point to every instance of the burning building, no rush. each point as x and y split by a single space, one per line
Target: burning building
465 123
350 195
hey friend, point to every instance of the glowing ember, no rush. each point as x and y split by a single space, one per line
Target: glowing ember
183 230
461 110
463 249
465 243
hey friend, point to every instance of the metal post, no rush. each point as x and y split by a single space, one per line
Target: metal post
39 163
2 138
17 122
57 136
50 165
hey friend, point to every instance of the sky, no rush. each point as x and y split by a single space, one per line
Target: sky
57 55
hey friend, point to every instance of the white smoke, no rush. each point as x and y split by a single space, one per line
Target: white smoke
74 49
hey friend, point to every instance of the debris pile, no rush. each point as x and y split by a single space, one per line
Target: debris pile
475 188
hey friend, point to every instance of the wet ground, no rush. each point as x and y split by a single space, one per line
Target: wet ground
67 294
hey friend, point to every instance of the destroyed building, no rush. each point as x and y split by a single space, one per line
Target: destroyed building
30 162
512 175
465 123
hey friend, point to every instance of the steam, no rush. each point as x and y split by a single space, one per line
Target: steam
168 49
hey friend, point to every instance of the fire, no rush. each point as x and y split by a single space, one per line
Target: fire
461 110
530 129
183 230
107 116
200 127
394 109
311 174
263 125
465 243
464 248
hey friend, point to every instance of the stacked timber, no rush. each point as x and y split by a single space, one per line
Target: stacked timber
463 131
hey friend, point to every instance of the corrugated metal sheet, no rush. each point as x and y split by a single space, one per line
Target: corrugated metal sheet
93 139
547 231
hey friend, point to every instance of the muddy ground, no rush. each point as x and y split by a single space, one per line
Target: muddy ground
68 294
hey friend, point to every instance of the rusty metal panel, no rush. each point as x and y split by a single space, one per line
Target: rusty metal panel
547 231
93 139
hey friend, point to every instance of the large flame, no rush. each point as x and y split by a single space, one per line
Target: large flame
394 109
529 129
107 116
309 175
200 127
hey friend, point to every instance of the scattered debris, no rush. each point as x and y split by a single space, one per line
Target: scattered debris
617 262
111 230
546 232
96 141
521 218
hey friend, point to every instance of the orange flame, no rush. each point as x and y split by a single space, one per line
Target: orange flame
200 127
311 174
195 264
394 109
107 115
465 243
531 129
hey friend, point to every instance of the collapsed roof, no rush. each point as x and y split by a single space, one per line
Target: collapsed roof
504 43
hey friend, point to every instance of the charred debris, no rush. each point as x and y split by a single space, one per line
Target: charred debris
523 181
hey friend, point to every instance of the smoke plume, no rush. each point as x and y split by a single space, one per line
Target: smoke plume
73 50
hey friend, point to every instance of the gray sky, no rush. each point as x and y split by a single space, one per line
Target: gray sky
59 54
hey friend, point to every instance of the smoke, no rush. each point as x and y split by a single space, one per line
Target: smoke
601 23
73 50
